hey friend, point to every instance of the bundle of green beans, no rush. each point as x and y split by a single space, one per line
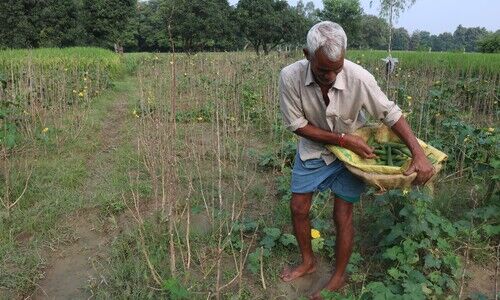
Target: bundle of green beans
392 154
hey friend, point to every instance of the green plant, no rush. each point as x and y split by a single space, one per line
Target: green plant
175 289
416 248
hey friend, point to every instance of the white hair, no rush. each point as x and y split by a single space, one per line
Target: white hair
328 36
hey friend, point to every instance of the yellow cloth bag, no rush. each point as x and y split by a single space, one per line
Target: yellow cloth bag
383 177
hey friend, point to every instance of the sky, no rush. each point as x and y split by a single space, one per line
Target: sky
437 16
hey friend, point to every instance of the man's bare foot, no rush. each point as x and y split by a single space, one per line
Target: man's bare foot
289 274
335 284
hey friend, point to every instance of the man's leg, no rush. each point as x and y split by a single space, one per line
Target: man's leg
300 206
342 215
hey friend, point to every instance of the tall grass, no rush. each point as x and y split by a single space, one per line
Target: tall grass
37 86
465 63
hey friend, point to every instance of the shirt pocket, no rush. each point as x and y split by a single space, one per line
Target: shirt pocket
344 125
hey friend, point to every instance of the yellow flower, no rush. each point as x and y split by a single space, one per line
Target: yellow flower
45 130
74 91
409 97
376 69
134 112
199 118
80 94
315 233
491 129
405 192
357 61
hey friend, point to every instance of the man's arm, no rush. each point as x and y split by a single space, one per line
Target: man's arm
351 142
420 163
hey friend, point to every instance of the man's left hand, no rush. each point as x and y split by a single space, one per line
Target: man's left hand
423 167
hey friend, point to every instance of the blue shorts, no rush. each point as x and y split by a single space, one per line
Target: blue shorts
315 175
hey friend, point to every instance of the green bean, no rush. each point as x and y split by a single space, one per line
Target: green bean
389 155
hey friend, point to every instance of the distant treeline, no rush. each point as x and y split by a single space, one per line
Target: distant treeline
211 25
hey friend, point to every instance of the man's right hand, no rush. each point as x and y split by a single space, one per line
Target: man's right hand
357 145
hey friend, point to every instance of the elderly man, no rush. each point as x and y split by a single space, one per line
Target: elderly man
323 99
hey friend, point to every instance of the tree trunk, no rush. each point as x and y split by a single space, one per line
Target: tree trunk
390 27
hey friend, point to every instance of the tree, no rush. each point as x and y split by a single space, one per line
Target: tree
152 31
106 22
306 16
348 14
197 24
312 13
59 24
400 39
425 43
415 40
18 24
490 43
442 42
391 9
267 23
467 38
373 31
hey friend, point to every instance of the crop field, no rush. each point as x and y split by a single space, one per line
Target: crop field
150 175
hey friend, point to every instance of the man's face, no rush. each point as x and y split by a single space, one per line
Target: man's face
325 71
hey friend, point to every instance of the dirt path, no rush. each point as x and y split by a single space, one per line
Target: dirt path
71 267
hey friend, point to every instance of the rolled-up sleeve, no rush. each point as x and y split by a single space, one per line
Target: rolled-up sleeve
378 105
290 104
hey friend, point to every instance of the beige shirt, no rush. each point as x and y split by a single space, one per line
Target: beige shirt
355 90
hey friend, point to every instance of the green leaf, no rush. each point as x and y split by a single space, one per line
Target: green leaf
491 230
393 253
253 262
449 229
431 262
436 277
495 163
317 244
443 244
426 290
272 232
288 239
396 232
395 273
268 242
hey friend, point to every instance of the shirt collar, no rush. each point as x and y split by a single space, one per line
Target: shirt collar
339 83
